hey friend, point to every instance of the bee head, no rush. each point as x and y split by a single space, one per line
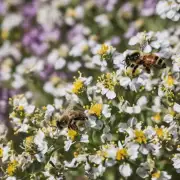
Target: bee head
59 125
62 122
132 57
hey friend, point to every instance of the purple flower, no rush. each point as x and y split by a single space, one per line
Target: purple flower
3 8
30 9
76 34
149 7
36 40
107 4
132 30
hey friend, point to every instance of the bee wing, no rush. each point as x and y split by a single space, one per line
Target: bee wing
73 106
69 107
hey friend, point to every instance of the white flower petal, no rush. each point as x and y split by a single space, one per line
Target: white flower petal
125 170
168 118
176 107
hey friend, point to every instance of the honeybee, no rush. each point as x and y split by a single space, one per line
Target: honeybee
71 119
147 60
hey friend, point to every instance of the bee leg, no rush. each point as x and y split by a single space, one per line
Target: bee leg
72 125
148 70
134 69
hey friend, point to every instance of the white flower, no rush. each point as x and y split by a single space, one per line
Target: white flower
30 109
75 161
110 94
125 81
147 49
98 171
110 162
143 170
111 152
168 9
125 170
118 60
84 138
98 61
71 164
67 144
79 48
135 109
168 118
106 111
11 178
176 162
6 151
49 111
18 81
39 140
9 49
20 101
176 107
23 128
95 159
133 150
144 149
60 63
106 137
99 124
87 167
92 121
142 101
10 21
48 13
102 20
134 40
74 66
163 176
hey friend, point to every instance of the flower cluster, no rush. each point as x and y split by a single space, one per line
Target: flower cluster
132 122
32 50
169 9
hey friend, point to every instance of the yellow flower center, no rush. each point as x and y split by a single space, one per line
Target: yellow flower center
71 12
75 154
55 80
159 132
103 50
170 81
156 174
20 108
29 140
121 154
157 117
140 136
29 143
95 109
4 34
77 86
12 166
72 134
108 81
44 108
1 152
